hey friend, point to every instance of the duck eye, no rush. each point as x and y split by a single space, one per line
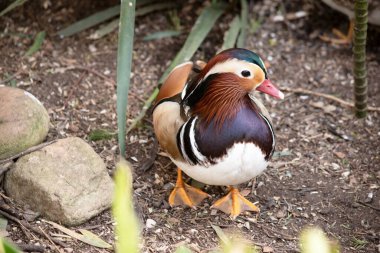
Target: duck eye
245 73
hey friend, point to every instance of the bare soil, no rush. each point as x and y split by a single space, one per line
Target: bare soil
328 172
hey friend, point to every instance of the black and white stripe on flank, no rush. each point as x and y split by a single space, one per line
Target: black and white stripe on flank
187 143
273 136
200 157
180 142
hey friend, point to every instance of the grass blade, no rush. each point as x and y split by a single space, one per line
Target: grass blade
111 26
127 227
107 14
154 7
90 21
231 35
198 33
183 249
103 31
36 44
86 237
7 247
101 134
124 62
161 34
12 6
220 233
141 115
244 20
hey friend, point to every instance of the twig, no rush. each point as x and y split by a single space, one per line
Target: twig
145 108
10 211
25 224
152 157
11 77
368 205
277 233
50 239
93 72
30 247
327 96
29 150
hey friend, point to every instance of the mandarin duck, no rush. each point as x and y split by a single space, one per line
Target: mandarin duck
213 128
347 7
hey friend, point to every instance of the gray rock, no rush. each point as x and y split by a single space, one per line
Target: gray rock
24 121
66 182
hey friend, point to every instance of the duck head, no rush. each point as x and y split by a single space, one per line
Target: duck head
225 82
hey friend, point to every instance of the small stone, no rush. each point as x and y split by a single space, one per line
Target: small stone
66 182
345 174
168 186
280 214
369 198
267 249
150 223
24 121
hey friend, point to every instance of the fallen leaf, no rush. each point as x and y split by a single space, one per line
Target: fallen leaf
220 233
86 236
339 154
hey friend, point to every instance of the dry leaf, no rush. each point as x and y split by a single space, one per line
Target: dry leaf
86 236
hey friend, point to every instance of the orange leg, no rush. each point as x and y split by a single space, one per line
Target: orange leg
345 39
234 203
184 194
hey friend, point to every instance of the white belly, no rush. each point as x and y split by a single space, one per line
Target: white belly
243 162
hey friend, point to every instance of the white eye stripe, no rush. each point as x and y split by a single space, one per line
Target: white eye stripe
234 66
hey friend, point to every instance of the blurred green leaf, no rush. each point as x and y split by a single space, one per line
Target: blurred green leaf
127 229
7 247
231 34
107 14
104 30
36 44
124 64
243 21
90 21
111 26
86 237
3 227
161 34
13 5
174 20
154 7
198 33
220 233
101 134
183 249
313 240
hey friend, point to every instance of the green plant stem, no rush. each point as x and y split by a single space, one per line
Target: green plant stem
243 22
359 50
124 62
198 33
145 108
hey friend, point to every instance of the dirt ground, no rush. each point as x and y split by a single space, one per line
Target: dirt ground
327 172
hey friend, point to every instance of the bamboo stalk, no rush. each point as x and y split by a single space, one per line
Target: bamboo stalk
359 50
124 63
